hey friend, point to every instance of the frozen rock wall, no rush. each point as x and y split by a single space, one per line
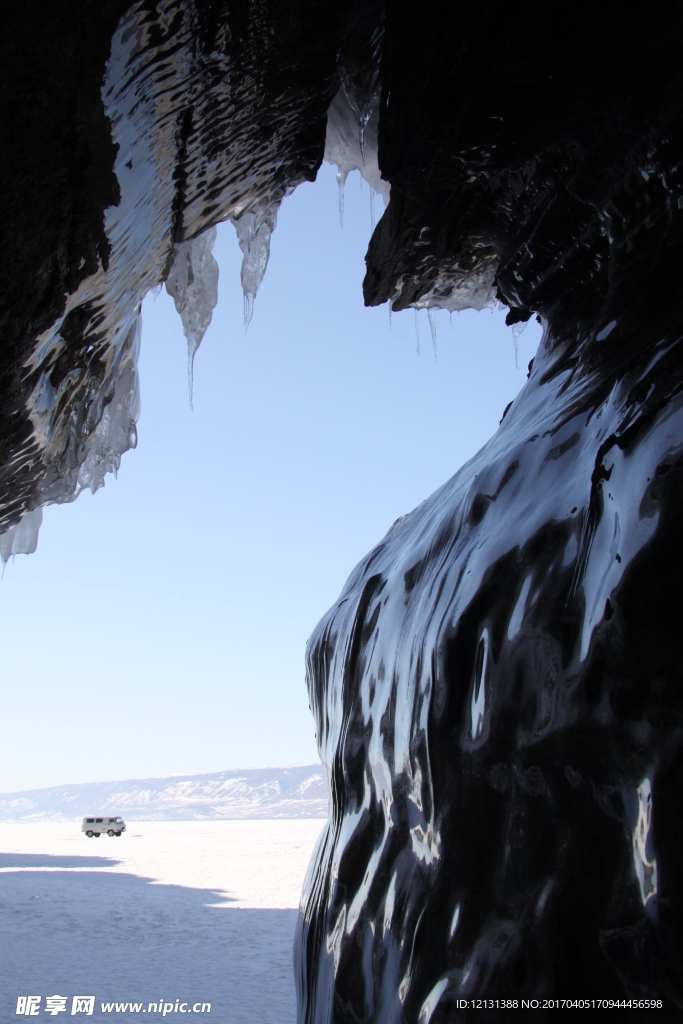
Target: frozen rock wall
497 692
497 697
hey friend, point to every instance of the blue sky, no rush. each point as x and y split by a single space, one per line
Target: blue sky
161 625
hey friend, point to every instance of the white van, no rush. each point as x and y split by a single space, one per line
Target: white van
96 826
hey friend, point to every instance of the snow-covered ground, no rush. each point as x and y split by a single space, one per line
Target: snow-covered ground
187 911
250 793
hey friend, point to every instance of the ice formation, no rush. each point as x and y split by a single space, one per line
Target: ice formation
351 145
254 229
458 632
115 432
643 860
21 539
169 186
432 326
193 286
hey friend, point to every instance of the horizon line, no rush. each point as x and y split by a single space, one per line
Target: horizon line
159 778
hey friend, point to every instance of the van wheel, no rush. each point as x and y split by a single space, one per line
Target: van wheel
110 832
89 834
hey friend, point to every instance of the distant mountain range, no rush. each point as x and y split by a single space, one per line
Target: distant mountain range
253 793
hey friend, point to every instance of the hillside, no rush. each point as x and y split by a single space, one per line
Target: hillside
253 793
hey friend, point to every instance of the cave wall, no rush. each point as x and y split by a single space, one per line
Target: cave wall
497 692
497 698
129 129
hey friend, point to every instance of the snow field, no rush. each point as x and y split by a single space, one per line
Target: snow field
194 911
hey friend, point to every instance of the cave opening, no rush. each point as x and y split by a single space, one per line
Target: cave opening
311 433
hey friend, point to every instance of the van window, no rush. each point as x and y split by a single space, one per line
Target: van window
98 820
90 821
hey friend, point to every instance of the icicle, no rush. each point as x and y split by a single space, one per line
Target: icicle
389 314
517 329
432 324
349 129
362 113
417 331
372 209
253 234
155 291
341 180
248 309
362 125
191 349
361 182
21 539
450 317
193 286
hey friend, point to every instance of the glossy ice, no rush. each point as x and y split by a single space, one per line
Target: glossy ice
480 708
193 284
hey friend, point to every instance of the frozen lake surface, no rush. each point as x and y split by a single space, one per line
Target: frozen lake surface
173 910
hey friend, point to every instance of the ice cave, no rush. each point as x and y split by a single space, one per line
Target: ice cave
497 693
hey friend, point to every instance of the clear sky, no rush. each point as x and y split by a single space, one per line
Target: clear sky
160 627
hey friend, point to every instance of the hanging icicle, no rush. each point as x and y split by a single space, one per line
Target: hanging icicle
432 326
341 181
